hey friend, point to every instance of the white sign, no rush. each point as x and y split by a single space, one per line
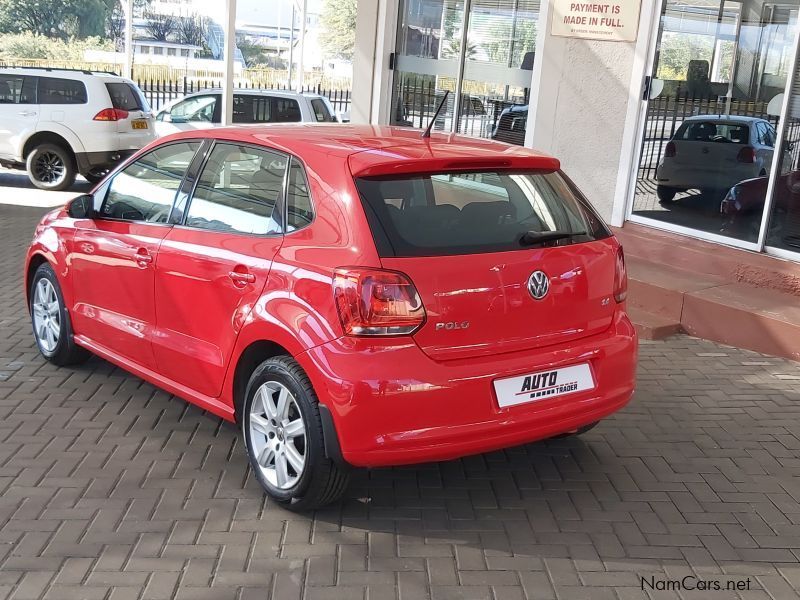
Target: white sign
543 385
614 20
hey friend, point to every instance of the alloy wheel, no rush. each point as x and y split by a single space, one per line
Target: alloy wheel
49 167
46 315
278 435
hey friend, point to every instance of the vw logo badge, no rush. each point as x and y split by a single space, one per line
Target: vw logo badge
538 284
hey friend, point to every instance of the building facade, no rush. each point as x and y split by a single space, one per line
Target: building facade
680 115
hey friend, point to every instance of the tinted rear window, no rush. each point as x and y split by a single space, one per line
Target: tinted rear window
126 97
53 90
711 131
468 213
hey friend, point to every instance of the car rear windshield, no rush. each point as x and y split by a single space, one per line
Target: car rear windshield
467 213
125 96
711 131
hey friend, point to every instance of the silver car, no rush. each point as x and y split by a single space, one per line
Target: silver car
202 110
713 153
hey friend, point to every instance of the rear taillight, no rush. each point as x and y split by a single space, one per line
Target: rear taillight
746 155
376 302
111 114
671 150
620 278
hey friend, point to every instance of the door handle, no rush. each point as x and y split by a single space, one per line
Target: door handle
27 113
241 278
143 257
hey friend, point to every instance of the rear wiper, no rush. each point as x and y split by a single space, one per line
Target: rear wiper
532 238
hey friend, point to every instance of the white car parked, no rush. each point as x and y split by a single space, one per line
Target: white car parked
204 109
712 153
56 123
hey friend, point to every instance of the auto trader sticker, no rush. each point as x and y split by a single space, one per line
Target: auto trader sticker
543 385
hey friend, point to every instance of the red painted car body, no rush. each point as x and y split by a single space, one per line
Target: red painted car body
159 300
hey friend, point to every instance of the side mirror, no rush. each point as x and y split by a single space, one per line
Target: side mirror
81 207
166 118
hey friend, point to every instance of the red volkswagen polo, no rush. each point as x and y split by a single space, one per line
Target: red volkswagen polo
351 296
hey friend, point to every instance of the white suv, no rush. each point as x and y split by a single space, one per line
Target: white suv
56 123
202 110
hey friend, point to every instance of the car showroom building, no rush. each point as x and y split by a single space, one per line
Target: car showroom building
679 119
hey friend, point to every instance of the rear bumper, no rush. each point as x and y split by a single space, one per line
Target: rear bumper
87 161
391 404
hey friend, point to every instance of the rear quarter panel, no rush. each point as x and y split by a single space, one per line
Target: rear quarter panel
296 309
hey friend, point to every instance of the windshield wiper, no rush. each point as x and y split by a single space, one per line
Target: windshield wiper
532 238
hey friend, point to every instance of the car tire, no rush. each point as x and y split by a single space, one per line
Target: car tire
579 431
51 167
666 194
52 328
95 176
282 430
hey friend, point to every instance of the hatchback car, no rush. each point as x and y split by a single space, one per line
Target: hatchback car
349 295
712 153
202 110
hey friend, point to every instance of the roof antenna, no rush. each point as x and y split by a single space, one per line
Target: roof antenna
427 132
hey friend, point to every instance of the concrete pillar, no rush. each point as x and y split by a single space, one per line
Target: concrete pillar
585 99
230 44
376 23
301 45
128 39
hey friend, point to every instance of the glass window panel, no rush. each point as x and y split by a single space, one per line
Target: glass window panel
498 63
238 190
145 189
784 223
709 142
298 199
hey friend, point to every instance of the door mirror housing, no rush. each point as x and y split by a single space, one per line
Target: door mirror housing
81 207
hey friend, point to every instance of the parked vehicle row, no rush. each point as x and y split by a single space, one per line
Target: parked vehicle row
58 123
350 296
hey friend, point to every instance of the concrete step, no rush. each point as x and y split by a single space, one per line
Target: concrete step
747 317
651 326
701 257
659 289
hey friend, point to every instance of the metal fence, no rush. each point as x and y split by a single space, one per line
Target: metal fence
665 115
161 91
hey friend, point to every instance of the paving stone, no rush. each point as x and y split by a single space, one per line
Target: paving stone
112 489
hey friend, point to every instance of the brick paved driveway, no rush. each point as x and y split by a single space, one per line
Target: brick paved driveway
113 489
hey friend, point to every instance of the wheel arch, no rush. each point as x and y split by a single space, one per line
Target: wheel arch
64 139
251 356
34 263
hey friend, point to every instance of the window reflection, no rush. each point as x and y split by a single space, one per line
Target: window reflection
711 123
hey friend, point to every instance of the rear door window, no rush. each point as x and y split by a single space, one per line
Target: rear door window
238 191
125 96
286 110
54 90
467 213
249 108
17 89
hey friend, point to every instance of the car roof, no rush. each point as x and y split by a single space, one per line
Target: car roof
381 150
728 118
256 92
64 73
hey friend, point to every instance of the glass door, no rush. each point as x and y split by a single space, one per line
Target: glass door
490 71
712 119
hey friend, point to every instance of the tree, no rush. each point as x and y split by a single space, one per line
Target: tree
52 18
453 49
192 30
338 36
160 27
